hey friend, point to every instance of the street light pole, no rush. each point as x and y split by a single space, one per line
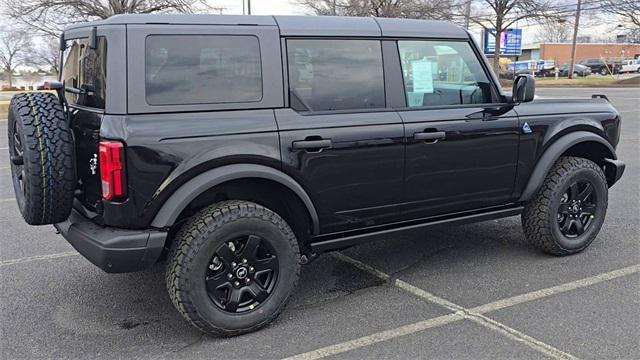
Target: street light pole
575 39
249 7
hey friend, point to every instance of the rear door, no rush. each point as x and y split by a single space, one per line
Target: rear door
461 143
338 137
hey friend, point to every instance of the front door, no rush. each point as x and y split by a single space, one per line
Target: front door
337 139
461 145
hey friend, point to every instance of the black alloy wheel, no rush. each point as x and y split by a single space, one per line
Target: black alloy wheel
242 274
232 267
568 211
577 209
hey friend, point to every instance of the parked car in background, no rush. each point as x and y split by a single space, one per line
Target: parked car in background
532 67
632 65
578 70
602 67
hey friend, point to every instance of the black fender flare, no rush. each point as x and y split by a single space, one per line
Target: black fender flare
200 183
553 152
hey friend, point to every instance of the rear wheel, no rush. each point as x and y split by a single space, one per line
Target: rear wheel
232 268
567 213
42 158
603 71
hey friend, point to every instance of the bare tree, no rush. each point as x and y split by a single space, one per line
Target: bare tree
14 48
51 16
628 10
496 16
414 9
555 32
46 54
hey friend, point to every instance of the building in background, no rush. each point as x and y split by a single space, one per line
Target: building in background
561 52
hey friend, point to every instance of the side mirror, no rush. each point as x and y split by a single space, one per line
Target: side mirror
524 89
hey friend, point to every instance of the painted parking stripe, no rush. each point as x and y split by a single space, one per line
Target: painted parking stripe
536 295
378 337
37 258
6 200
468 314
475 314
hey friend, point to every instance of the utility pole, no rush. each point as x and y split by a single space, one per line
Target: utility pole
575 39
249 7
467 13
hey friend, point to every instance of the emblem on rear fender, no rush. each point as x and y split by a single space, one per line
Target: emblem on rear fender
526 129
93 164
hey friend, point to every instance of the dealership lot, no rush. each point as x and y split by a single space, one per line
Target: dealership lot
475 291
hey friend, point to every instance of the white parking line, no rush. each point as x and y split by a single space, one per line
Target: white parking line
475 314
5 167
535 295
6 200
36 258
377 337
467 313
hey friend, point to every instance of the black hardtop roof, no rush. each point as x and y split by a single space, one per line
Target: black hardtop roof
300 25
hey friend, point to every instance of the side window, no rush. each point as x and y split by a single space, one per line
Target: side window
335 74
202 69
86 69
442 73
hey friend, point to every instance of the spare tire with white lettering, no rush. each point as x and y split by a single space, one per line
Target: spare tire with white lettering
42 158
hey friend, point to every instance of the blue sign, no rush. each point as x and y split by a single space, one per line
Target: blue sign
510 42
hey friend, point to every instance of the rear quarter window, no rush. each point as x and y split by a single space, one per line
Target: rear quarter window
86 69
202 69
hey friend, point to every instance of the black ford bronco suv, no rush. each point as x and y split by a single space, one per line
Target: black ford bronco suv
237 148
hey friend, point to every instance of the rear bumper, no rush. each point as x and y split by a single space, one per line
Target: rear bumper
111 249
613 170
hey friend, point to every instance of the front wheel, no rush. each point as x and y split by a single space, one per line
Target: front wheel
566 214
232 268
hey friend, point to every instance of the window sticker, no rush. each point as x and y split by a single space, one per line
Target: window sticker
422 76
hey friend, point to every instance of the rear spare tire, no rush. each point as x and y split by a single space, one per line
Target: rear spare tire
42 158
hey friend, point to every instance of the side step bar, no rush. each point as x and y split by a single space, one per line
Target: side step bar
347 241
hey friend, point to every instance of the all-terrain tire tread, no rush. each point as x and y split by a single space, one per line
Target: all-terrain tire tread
190 238
49 157
537 211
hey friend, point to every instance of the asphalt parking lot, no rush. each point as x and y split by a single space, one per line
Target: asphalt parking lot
470 292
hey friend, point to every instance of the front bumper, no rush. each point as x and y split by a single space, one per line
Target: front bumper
613 170
111 249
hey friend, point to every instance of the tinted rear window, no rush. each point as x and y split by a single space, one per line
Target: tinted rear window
86 69
202 69
335 74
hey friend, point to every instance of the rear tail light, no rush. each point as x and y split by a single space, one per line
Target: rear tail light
112 170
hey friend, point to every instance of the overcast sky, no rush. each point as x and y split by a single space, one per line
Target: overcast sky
290 7
260 7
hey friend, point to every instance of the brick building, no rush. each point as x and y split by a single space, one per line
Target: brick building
561 53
